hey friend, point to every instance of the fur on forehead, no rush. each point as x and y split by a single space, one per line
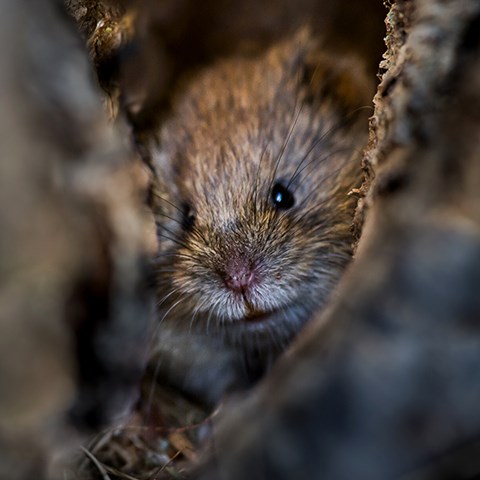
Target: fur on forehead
222 117
238 85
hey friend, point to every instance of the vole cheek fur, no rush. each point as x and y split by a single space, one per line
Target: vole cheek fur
237 264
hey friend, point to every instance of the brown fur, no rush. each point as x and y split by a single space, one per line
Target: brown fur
236 129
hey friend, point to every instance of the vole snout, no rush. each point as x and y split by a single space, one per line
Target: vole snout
240 275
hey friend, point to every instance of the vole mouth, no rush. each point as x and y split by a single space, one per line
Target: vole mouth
258 317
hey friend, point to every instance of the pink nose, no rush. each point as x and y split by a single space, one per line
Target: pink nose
239 278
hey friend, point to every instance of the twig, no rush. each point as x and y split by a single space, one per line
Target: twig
99 466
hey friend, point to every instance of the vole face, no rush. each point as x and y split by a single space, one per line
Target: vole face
252 203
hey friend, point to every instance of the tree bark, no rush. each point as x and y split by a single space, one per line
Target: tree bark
74 309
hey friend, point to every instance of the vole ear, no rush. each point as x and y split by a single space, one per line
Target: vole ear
340 79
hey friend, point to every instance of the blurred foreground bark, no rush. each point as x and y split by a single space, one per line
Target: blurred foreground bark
390 388
73 302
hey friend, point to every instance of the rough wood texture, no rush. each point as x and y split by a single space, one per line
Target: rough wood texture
390 388
73 302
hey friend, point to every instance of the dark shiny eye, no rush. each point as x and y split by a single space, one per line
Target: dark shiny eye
282 197
188 220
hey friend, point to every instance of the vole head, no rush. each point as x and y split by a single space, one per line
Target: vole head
254 169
